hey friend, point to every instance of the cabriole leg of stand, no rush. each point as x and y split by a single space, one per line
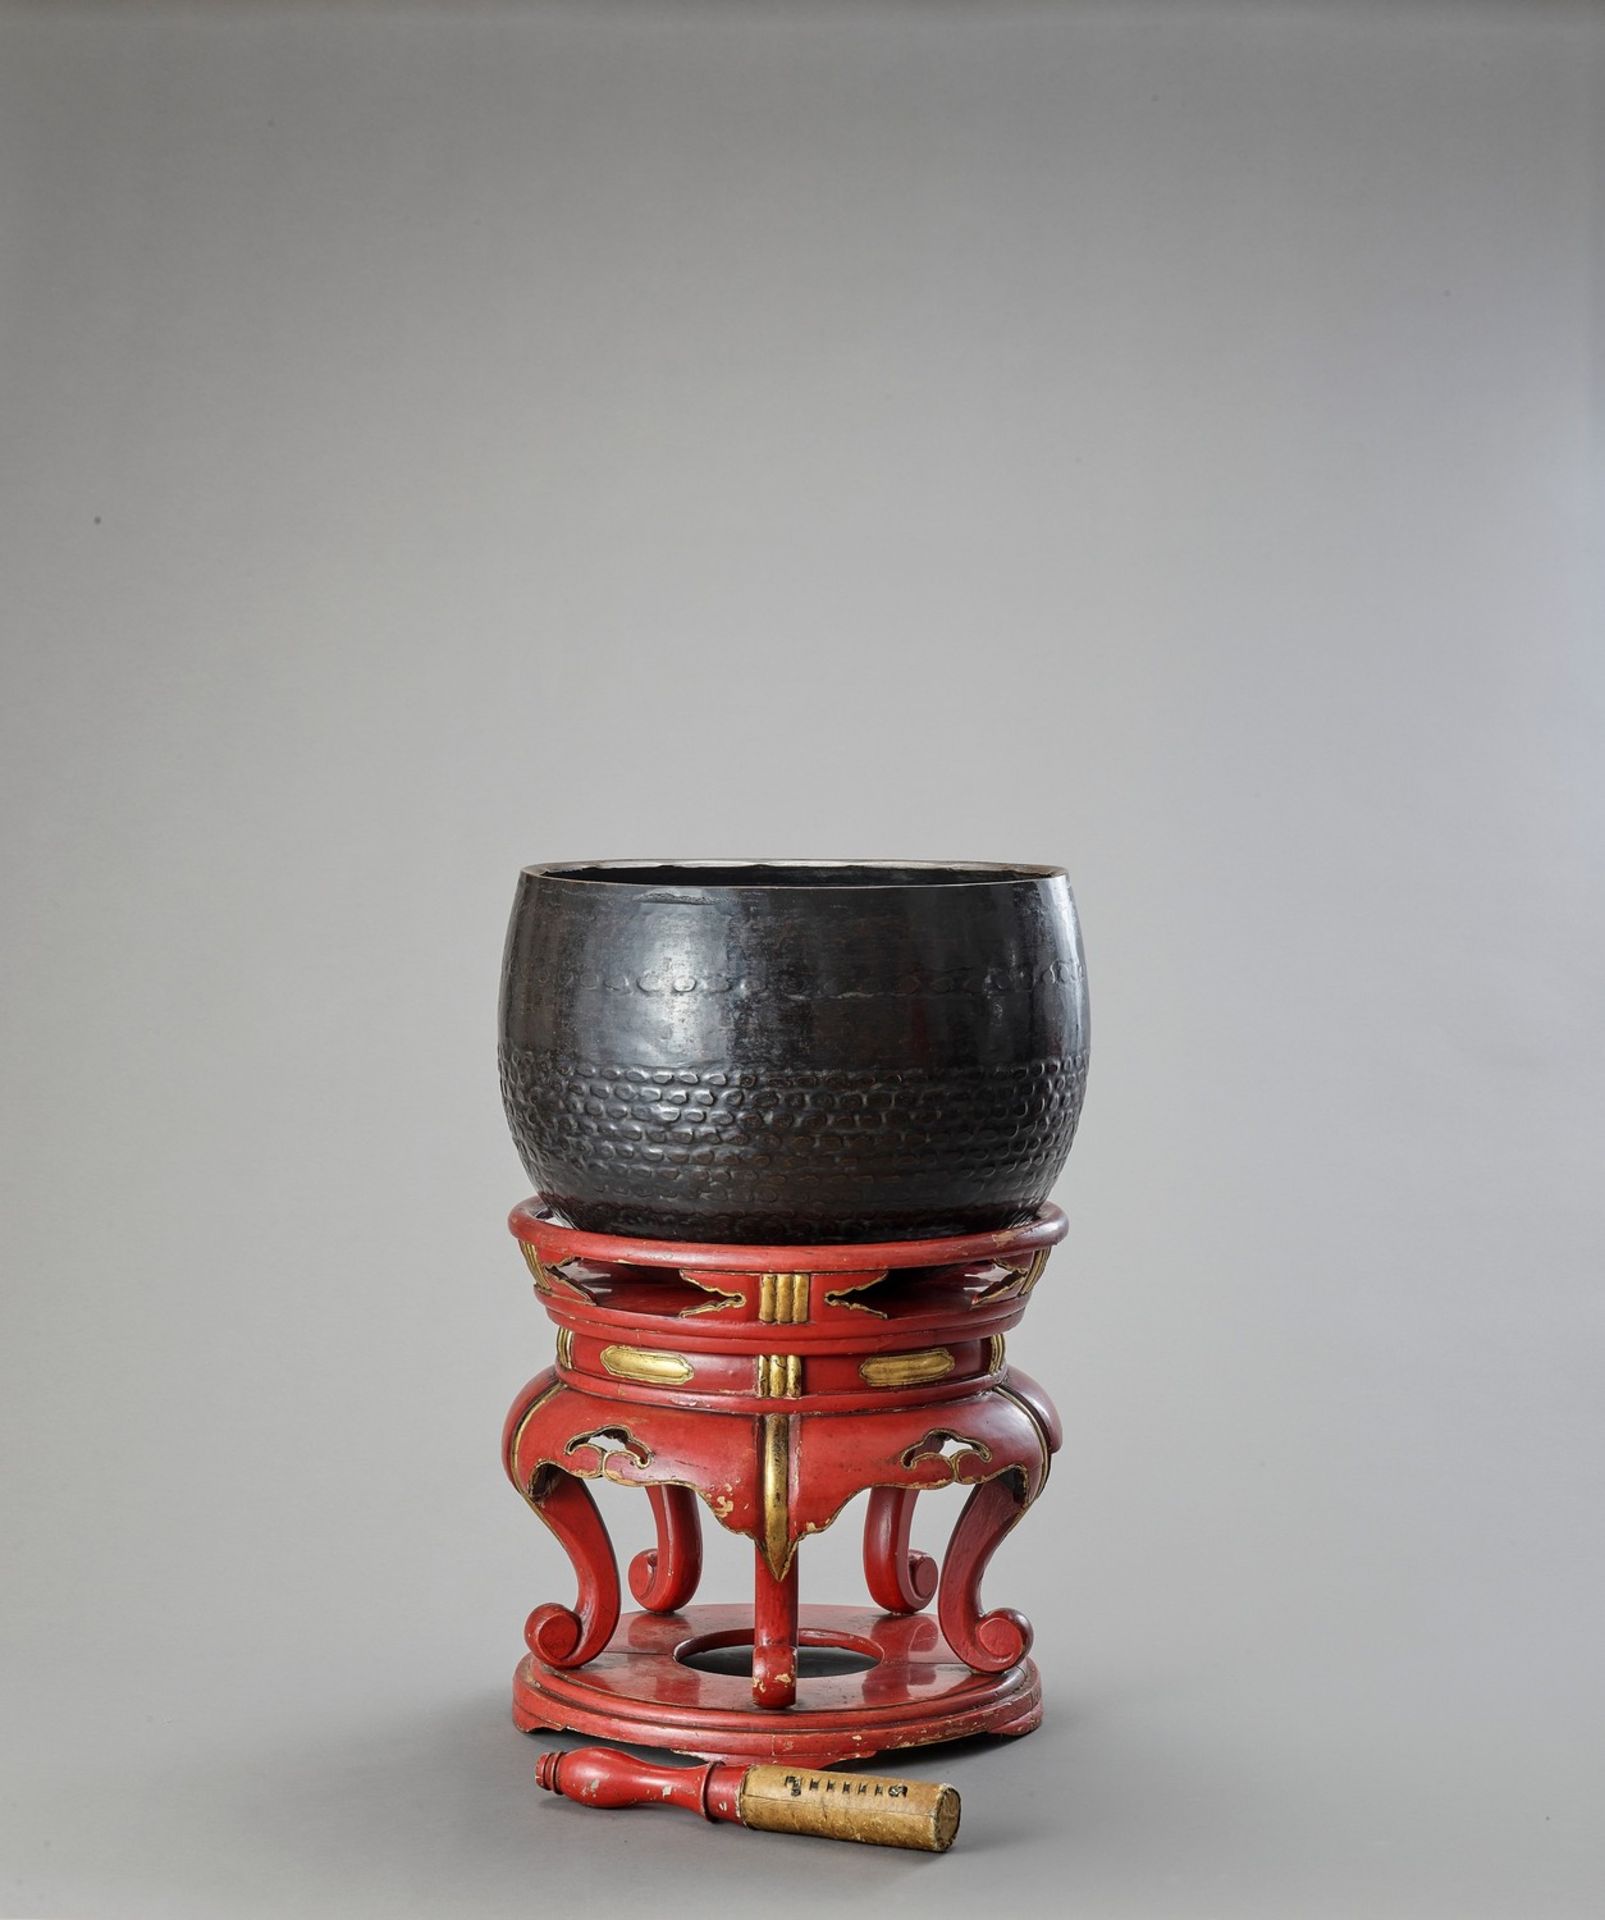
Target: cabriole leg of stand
900 1579
569 1636
774 1634
989 1642
664 1578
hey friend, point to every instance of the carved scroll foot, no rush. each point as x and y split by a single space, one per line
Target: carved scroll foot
900 1579
569 1636
664 1578
774 1635
989 1642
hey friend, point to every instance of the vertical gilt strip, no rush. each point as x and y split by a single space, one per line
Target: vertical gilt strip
778 1376
783 1298
774 1481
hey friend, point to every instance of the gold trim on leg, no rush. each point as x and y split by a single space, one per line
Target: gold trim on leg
774 1488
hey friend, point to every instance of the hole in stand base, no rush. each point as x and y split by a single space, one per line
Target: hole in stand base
813 1663
821 1652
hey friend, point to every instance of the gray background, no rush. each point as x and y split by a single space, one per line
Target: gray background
1157 439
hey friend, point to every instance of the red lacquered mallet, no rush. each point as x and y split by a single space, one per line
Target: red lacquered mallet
834 1806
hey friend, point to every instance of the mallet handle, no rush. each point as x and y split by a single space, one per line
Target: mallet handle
867 1807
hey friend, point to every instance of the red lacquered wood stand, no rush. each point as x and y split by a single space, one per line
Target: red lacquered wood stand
773 1385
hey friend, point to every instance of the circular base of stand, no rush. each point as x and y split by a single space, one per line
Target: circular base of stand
640 1690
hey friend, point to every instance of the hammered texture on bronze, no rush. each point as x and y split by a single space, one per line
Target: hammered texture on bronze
793 1053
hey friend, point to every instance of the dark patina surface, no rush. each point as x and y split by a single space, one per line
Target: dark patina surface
780 1051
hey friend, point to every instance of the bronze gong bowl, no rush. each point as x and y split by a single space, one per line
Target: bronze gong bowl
802 1051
